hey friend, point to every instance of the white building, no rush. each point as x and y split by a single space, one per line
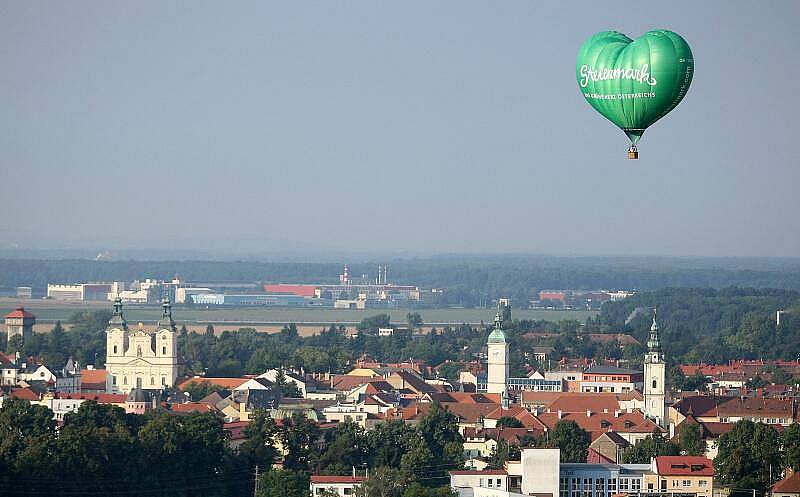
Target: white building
341 485
140 358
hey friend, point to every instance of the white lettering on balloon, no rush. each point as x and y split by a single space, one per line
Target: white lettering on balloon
642 75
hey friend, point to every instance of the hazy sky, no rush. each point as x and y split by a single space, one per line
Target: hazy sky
419 127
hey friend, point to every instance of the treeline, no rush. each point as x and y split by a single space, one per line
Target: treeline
246 351
712 326
101 450
467 280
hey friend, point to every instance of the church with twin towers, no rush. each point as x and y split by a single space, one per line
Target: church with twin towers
498 380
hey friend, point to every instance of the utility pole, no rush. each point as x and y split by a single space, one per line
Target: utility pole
255 487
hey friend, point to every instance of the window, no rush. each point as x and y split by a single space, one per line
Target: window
115 349
163 380
612 485
636 484
563 487
654 383
687 483
703 483
163 351
480 482
124 380
498 483
152 380
623 484
113 380
348 491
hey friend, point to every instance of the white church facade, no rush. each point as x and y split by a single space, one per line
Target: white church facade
146 359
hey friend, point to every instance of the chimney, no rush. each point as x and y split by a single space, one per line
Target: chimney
588 413
560 414
354 471
605 410
617 413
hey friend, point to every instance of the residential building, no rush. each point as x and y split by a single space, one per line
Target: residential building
693 475
140 358
610 379
342 485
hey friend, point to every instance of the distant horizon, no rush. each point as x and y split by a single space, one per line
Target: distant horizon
344 257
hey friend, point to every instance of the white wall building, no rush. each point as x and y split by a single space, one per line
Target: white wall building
140 358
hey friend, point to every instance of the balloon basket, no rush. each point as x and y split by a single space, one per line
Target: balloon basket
633 153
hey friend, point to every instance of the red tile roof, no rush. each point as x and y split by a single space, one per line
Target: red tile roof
519 413
337 479
599 423
189 407
789 484
24 394
684 466
344 383
93 377
100 398
226 383
19 312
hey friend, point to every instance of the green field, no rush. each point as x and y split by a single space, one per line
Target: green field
47 311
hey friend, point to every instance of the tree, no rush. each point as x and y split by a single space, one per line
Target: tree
651 446
509 422
414 320
286 388
691 439
283 483
26 446
299 436
387 443
259 445
791 447
571 439
383 482
347 450
200 389
438 430
748 456
502 453
417 490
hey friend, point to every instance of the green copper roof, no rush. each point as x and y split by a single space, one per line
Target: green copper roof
497 335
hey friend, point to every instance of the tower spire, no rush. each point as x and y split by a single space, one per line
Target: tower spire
166 320
653 342
117 319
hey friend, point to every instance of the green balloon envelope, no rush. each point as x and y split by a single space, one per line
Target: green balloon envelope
634 83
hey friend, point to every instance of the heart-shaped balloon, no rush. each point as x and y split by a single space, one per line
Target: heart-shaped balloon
634 83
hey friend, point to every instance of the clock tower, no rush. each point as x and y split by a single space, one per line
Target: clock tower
497 367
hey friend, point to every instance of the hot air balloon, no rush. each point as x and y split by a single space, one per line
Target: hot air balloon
634 83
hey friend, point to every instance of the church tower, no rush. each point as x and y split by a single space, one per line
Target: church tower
497 370
654 378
